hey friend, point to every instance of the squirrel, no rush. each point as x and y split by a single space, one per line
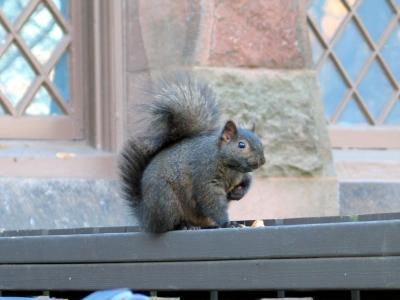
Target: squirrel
186 168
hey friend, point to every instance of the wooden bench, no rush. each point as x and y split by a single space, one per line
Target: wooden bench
342 253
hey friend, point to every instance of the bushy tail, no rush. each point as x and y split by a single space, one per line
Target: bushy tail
182 107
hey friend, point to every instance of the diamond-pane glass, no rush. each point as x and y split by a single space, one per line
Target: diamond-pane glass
375 15
328 15
42 33
352 50
43 104
394 116
359 54
332 86
352 114
3 35
13 8
391 52
62 6
60 77
317 48
375 89
16 74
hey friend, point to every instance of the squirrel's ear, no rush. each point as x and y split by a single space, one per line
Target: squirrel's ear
229 132
253 127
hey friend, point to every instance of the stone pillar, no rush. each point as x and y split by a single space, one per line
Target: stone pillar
256 54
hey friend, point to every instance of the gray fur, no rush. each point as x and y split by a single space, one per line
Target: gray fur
184 172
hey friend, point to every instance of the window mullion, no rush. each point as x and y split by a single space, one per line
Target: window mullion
23 104
7 105
23 17
388 108
56 95
56 55
58 16
27 52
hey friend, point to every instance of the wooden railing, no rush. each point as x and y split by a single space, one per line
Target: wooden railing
341 253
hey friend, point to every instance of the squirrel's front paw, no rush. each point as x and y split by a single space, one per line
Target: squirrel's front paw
241 189
237 193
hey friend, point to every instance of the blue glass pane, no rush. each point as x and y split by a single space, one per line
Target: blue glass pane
391 52
42 33
375 15
3 34
13 8
316 47
43 104
352 114
327 15
62 6
352 50
375 89
60 76
332 86
394 116
16 74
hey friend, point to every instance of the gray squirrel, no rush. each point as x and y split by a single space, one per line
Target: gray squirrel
184 171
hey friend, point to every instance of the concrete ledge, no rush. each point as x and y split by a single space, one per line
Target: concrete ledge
369 180
60 203
367 165
55 159
69 203
369 197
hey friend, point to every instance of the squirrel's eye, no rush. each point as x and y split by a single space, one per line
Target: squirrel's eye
242 145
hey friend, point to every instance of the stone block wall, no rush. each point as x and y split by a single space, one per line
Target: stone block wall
256 55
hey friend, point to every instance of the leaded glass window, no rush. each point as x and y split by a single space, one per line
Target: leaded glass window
35 60
356 50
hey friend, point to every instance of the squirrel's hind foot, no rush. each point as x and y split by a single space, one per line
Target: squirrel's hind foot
233 224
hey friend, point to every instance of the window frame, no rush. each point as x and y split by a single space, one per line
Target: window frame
101 80
66 127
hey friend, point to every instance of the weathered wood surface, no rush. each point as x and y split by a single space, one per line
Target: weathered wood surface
322 240
282 274
345 255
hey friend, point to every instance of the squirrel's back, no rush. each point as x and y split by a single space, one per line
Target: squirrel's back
182 107
180 162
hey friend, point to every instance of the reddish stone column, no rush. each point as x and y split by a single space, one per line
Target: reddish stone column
255 34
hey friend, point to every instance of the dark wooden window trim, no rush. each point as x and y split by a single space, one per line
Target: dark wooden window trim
106 118
101 83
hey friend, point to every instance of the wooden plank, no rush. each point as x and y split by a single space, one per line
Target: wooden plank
275 274
68 231
269 222
334 219
323 240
